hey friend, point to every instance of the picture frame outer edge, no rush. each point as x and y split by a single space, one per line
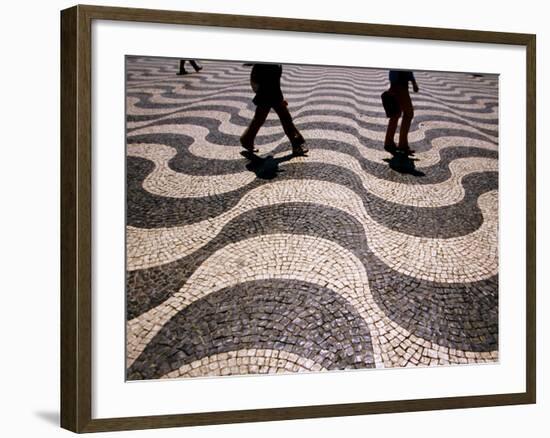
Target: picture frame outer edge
531 214
75 246
76 342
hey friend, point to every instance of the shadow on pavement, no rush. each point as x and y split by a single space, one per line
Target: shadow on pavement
265 167
403 164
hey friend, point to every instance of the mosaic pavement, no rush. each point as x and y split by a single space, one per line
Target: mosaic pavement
346 258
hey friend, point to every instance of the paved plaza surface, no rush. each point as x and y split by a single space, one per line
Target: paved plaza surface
345 258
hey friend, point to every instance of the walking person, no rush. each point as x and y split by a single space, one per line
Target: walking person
266 83
193 63
399 89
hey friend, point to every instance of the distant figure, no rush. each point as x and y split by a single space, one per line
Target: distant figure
265 80
399 88
193 63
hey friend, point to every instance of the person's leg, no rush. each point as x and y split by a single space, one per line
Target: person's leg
194 64
408 114
390 132
247 139
290 129
389 141
182 67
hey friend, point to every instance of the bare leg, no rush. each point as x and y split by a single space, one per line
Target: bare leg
290 129
408 114
390 132
288 125
247 139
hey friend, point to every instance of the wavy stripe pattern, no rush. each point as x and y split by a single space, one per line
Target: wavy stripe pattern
346 258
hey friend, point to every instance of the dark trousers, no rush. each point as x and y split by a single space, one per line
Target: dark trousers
191 61
407 111
247 139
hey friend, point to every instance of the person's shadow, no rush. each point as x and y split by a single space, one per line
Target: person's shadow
403 164
265 167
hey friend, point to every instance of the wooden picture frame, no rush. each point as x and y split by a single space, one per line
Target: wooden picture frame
76 218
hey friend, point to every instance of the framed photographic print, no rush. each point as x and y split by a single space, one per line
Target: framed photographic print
268 218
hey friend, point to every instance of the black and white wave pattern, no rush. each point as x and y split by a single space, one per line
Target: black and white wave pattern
342 259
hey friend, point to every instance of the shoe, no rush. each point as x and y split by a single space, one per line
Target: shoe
299 150
199 68
249 147
390 147
297 141
297 145
406 150
182 72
